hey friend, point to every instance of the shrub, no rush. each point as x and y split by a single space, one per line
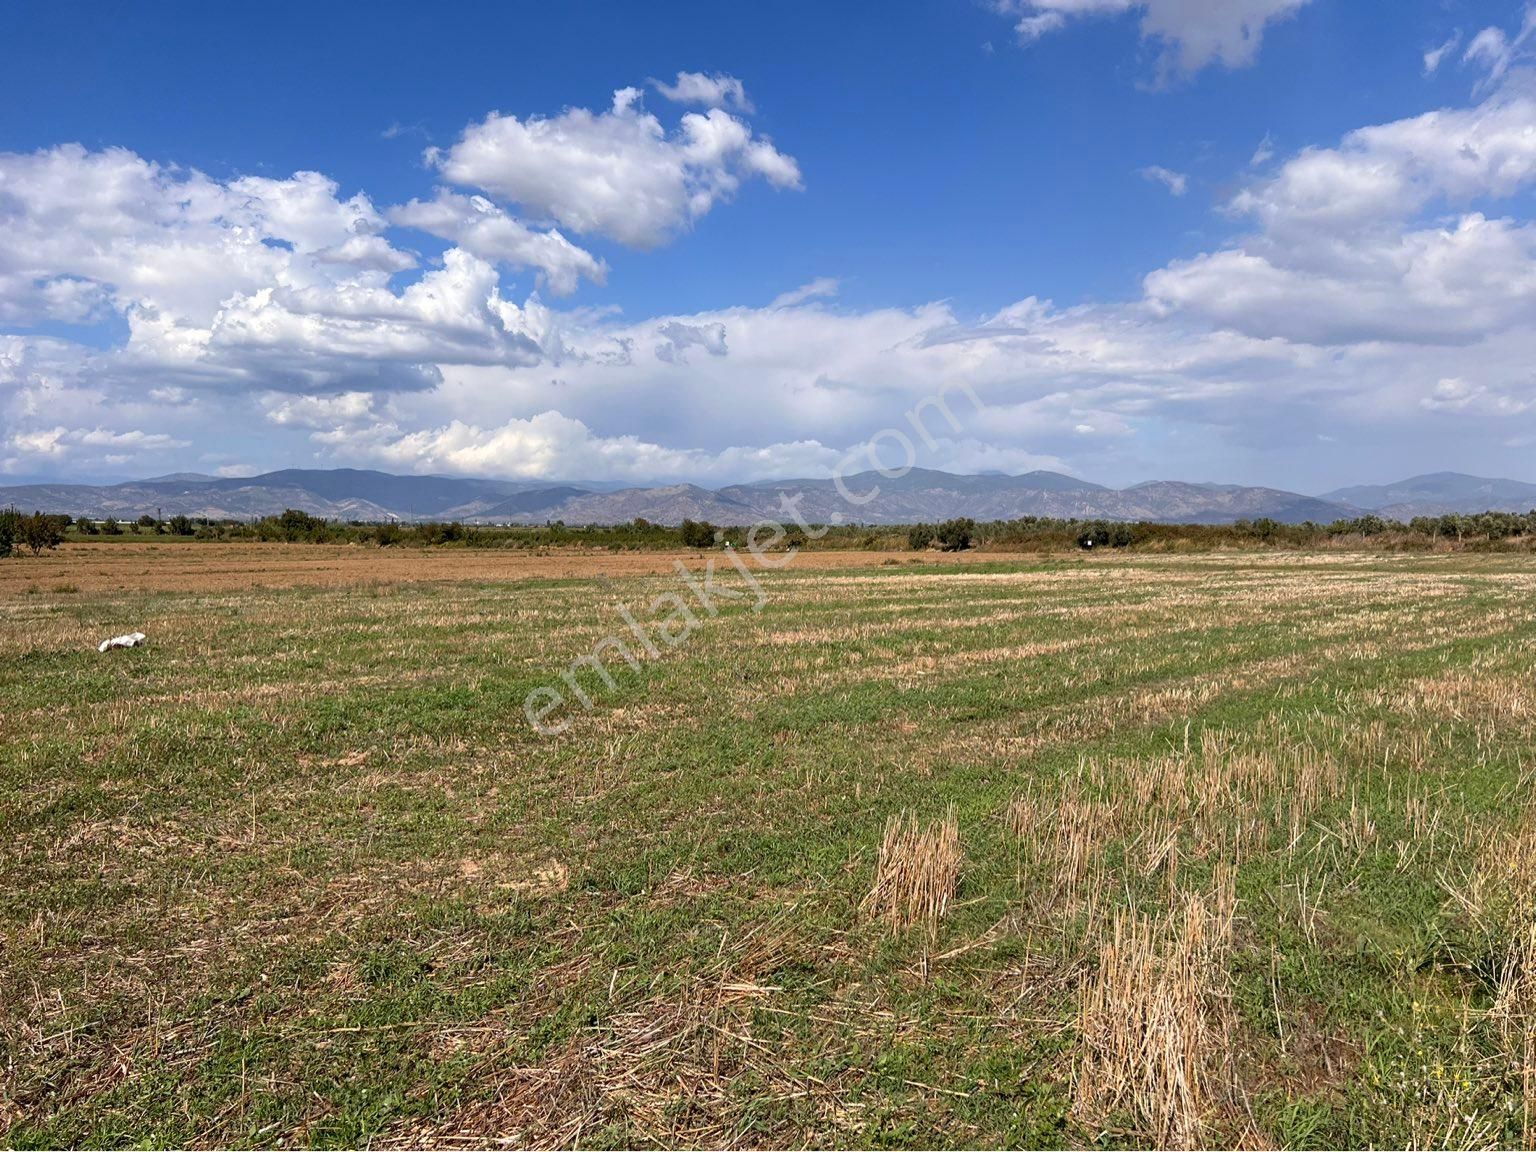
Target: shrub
8 518
957 535
920 536
87 526
434 533
1102 535
180 526
292 526
110 527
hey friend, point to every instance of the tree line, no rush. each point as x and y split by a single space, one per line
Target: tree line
37 532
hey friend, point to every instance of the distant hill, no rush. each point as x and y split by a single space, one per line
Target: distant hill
1439 494
869 498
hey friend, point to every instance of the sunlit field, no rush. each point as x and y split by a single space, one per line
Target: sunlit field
1213 850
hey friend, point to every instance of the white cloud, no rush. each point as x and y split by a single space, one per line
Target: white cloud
478 226
1446 285
677 337
617 173
1193 33
822 286
1495 52
1461 396
1344 253
1378 294
550 444
325 412
1433 58
712 90
61 443
1264 153
1176 182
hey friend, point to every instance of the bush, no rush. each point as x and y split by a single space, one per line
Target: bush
87 526
292 526
920 536
698 534
8 518
432 533
110 527
957 535
180 525
1102 535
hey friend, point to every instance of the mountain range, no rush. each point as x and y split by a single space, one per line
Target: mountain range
920 495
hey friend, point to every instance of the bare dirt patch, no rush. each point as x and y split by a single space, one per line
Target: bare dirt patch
196 567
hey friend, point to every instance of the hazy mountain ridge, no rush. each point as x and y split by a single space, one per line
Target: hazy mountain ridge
920 495
1440 494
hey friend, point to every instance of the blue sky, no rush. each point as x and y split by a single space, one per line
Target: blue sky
1058 202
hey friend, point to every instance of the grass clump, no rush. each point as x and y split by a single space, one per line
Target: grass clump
917 872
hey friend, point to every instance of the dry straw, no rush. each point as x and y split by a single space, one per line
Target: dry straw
917 873
1154 1021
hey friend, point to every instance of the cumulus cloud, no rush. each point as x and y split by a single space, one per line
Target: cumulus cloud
343 409
1192 33
480 227
676 337
61 445
549 443
712 90
1352 243
618 173
1462 396
1375 291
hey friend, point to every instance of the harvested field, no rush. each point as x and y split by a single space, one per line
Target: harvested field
1184 851
186 566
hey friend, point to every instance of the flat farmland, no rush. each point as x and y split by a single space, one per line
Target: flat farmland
188 566
1029 851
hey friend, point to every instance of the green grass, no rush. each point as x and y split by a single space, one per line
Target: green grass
299 872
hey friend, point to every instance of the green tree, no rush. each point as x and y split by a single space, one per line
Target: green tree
1096 535
180 525
698 534
293 525
957 535
40 531
8 518
110 527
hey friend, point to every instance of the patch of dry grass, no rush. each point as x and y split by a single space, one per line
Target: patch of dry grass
1155 1022
917 872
